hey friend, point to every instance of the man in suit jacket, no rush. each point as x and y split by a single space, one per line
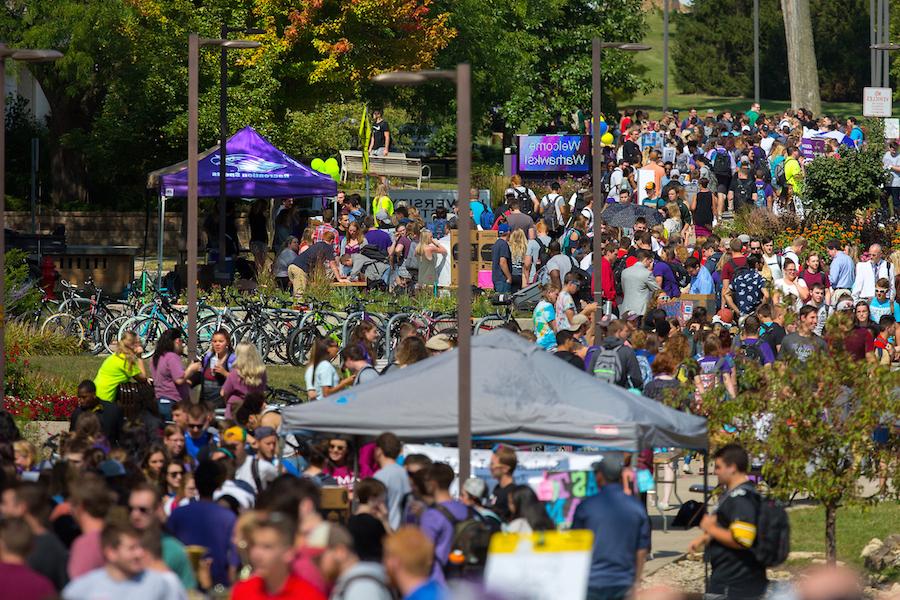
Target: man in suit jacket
638 284
868 272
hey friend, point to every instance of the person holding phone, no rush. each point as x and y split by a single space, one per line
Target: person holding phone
171 380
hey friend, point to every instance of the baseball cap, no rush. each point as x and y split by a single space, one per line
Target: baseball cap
576 322
710 111
630 316
745 239
234 435
404 273
111 468
605 320
475 487
503 228
261 433
438 343
610 466
745 129
844 305
650 185
675 173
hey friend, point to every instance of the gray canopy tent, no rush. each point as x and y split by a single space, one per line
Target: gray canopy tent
521 394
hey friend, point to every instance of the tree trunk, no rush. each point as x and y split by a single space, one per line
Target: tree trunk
67 169
830 533
801 55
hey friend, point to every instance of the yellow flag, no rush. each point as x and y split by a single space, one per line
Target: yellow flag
365 132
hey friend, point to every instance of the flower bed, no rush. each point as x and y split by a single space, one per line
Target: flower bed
817 235
49 407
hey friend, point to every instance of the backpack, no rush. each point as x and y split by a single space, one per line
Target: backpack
722 165
543 254
780 175
580 203
606 365
761 163
566 241
438 228
682 277
486 221
549 214
524 198
750 352
646 369
773 531
618 267
743 195
373 253
584 281
340 591
471 537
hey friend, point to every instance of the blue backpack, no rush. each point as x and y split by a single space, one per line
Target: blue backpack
487 218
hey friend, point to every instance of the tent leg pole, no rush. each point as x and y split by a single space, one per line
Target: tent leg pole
706 505
160 241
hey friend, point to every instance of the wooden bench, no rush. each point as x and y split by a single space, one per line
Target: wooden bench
395 164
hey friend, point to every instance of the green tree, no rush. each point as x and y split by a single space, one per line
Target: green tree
812 425
713 51
835 188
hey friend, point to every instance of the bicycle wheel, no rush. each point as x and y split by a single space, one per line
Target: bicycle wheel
113 332
94 327
205 332
63 324
252 334
300 345
149 330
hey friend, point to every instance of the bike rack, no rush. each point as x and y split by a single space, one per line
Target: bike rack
485 319
347 320
388 351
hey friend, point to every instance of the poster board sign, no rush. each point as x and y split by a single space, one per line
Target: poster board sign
891 129
682 308
540 566
651 140
562 492
812 147
877 101
554 154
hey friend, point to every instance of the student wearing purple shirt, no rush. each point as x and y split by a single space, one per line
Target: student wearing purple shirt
171 381
666 278
377 237
436 523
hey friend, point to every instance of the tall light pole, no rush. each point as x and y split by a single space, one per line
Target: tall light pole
665 102
756 51
597 164
27 56
462 76
221 273
194 43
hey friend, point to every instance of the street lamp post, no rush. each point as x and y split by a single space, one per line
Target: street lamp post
462 75
20 55
194 43
596 178
756 51
221 273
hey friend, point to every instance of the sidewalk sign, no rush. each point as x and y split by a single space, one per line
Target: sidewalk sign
540 566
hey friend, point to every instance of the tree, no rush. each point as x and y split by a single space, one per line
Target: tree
801 55
836 188
713 50
812 426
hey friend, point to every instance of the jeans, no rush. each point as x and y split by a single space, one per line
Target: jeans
608 593
501 287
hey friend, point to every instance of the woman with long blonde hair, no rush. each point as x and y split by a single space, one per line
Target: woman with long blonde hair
427 252
382 203
518 246
125 364
247 375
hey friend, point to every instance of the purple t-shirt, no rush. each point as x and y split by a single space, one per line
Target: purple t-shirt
165 372
439 529
378 238
669 285
21 582
234 390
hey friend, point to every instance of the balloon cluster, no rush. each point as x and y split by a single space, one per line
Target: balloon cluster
606 136
328 167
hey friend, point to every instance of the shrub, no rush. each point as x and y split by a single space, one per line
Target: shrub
818 233
48 407
31 341
22 296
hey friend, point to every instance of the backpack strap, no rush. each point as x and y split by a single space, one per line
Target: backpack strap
339 592
254 469
448 515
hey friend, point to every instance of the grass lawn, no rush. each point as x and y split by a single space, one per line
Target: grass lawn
855 527
73 369
653 61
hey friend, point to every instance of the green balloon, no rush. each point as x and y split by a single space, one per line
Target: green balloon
330 164
333 170
318 164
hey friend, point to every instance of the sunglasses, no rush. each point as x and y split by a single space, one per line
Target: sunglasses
195 425
337 447
141 509
175 473
881 291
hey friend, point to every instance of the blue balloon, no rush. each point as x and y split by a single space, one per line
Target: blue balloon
603 127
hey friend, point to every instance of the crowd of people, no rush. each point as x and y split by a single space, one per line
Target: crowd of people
176 478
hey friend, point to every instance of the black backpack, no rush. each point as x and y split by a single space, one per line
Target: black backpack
543 254
471 537
618 267
773 531
373 253
761 164
722 165
584 281
682 277
580 204
524 198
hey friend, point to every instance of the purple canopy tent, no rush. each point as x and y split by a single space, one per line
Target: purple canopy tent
255 169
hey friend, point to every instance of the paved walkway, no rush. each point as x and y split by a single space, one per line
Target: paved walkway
670 545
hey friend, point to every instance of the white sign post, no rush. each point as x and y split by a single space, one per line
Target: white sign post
877 101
